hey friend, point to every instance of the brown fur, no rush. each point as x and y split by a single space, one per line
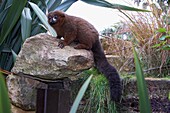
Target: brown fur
73 28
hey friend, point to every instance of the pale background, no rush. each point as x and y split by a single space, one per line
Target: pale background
100 17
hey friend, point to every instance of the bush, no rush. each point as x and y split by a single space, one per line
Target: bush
145 28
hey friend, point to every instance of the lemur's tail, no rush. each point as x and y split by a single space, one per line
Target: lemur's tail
108 70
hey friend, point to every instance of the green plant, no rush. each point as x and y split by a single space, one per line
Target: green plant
18 22
9 24
164 40
97 96
99 100
144 102
5 106
80 95
144 28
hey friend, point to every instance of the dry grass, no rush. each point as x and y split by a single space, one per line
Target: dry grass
144 27
117 47
119 53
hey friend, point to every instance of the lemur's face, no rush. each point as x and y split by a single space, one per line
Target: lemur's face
52 18
56 18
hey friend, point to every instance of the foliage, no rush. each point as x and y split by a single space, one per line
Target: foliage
43 18
145 3
5 106
80 95
18 22
145 27
7 24
144 102
103 3
97 98
164 39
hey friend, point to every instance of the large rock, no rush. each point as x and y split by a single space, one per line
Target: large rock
40 57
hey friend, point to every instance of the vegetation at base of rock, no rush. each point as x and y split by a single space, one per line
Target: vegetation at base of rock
97 97
80 95
5 106
130 99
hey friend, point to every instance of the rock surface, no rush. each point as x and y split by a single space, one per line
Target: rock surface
40 57
22 92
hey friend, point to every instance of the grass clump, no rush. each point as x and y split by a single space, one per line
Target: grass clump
151 38
98 95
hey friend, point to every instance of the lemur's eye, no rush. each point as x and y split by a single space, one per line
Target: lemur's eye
55 18
49 17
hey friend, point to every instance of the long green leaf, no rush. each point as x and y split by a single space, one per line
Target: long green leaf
52 4
166 47
65 5
162 30
80 95
8 3
11 18
43 18
104 3
5 106
36 28
144 102
5 4
2 5
13 42
3 14
14 55
26 21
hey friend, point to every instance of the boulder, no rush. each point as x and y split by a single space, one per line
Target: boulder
40 57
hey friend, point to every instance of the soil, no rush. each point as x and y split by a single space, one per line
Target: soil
159 105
